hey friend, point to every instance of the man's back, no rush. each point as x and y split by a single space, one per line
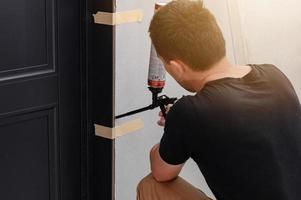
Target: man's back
244 134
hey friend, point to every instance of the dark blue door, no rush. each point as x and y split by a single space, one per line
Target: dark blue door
43 119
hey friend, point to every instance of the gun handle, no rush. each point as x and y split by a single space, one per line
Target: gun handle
163 110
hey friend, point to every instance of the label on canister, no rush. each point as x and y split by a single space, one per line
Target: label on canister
156 73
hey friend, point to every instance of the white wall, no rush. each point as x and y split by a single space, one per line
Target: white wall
272 33
132 59
267 32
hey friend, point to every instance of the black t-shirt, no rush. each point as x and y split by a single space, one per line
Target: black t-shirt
243 133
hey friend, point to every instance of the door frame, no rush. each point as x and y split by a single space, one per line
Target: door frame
87 126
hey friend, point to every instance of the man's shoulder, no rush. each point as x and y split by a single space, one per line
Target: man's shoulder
184 107
264 66
186 104
181 107
271 69
276 76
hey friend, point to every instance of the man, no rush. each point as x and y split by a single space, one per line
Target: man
242 127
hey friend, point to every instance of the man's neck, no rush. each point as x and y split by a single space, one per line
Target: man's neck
220 70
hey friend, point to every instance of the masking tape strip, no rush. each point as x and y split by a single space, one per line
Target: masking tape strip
118 17
118 131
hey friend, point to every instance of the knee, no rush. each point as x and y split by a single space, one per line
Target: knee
147 188
146 182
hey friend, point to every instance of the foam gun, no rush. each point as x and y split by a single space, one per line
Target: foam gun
156 83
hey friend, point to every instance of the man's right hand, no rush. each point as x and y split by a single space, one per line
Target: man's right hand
161 122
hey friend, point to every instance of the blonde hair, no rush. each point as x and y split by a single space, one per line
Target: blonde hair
187 31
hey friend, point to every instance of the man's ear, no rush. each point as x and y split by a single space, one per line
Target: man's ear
177 66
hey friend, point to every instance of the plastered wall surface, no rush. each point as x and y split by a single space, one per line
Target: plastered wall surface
270 32
271 29
132 59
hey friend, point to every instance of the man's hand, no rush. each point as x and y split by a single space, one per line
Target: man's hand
161 122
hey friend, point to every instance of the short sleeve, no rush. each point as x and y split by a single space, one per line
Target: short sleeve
174 145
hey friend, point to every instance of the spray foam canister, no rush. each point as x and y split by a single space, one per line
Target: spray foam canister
156 73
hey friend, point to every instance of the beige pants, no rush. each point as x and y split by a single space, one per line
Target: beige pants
178 189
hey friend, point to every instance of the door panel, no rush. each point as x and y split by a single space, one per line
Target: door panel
42 93
29 94
27 154
27 38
